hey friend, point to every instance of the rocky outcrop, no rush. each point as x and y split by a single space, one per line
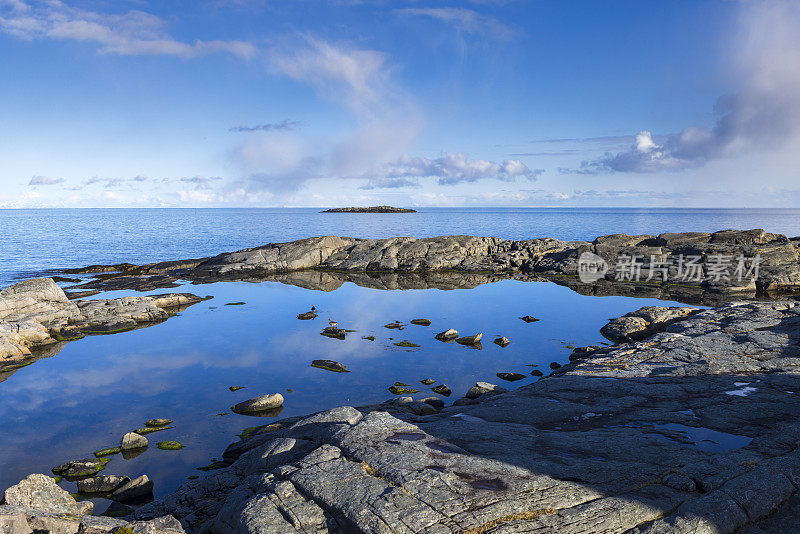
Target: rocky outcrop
692 429
644 322
371 209
35 314
38 504
663 263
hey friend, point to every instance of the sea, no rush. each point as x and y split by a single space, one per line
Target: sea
91 392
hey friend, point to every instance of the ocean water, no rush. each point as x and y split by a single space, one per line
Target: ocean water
37 240
86 396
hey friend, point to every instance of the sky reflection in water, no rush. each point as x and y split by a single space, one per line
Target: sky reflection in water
96 389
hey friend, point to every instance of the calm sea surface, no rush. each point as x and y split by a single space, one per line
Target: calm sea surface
94 390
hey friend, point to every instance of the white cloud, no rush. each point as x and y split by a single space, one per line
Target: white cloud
464 20
763 115
44 180
131 33
449 169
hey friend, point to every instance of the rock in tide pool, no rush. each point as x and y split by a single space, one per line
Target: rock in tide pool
436 402
107 452
447 335
169 445
502 341
510 377
368 338
482 388
101 483
442 389
40 492
421 322
537 372
235 388
330 365
395 325
81 468
529 319
259 404
406 344
555 365
399 388
428 381
138 488
307 316
334 332
158 422
470 340
150 429
132 440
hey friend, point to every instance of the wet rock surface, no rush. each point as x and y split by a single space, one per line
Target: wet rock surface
466 261
692 429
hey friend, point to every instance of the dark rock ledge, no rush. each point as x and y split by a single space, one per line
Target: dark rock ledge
692 429
466 261
36 318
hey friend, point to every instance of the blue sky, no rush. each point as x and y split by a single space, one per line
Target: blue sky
316 103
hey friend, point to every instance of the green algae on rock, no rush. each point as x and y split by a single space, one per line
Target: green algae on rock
330 365
428 381
86 467
406 344
442 389
235 388
158 422
150 429
169 445
107 452
399 388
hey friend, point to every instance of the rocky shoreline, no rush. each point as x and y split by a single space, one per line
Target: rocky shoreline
465 261
37 318
692 428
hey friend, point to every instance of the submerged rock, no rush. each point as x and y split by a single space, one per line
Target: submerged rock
101 483
510 377
399 388
442 389
470 340
235 388
334 332
132 440
397 325
259 404
428 381
169 445
158 422
307 316
529 319
502 341
81 468
537 372
447 335
406 344
368 338
421 322
150 429
40 492
330 365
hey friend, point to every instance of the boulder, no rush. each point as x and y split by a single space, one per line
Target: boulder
40 492
132 440
334 332
135 489
502 341
307 316
81 468
421 322
442 389
644 322
529 319
447 335
470 340
259 404
510 377
101 483
436 402
482 388
330 365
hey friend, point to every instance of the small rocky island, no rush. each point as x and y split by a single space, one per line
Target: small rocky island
371 209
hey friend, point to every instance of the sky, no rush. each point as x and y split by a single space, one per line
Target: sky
312 103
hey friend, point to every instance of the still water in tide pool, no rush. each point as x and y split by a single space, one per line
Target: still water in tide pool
100 387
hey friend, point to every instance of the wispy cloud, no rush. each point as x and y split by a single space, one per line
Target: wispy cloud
449 169
283 125
201 182
464 20
133 33
45 180
763 115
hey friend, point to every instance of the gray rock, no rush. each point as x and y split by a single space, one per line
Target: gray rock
470 340
447 335
41 493
644 322
510 377
502 341
259 404
481 388
81 468
101 483
133 489
132 440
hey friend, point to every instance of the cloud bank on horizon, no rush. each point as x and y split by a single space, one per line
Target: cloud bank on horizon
251 104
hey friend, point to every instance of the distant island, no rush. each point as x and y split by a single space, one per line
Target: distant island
371 209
